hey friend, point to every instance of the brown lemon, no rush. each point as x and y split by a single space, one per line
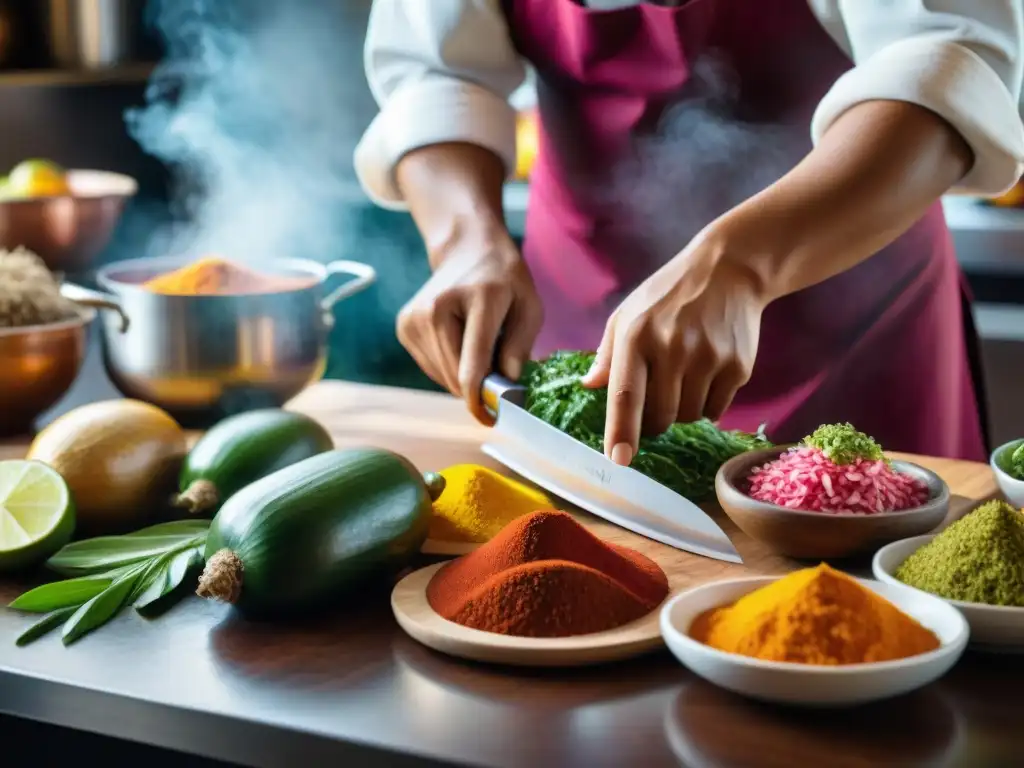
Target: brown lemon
120 458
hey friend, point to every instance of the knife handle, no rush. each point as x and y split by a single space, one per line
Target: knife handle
494 387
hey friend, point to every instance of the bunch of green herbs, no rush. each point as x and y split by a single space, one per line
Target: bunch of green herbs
147 569
685 457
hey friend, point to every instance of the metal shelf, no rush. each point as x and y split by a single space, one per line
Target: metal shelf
126 73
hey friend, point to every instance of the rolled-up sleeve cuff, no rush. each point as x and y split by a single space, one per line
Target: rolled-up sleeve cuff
956 84
431 112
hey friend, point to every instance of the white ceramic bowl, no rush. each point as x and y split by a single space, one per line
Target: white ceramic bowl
808 684
1012 488
993 627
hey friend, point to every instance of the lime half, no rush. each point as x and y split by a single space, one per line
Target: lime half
37 516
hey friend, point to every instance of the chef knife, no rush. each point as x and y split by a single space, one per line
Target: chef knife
577 473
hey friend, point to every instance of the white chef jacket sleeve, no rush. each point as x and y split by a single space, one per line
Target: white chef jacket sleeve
961 59
441 71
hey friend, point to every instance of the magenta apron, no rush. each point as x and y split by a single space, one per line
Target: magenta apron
655 120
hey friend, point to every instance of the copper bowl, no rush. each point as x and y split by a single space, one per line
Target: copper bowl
40 363
68 231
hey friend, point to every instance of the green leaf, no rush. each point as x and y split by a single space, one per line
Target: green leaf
185 528
153 600
154 587
102 608
155 571
61 594
105 552
45 625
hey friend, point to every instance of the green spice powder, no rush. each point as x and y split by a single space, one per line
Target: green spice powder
978 559
843 444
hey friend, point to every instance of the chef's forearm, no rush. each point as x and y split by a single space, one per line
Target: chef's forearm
872 175
453 190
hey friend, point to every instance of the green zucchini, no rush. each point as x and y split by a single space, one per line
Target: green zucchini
242 449
304 536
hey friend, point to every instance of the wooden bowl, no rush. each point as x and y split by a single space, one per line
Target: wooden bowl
819 535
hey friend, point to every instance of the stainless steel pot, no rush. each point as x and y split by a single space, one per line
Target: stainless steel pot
205 357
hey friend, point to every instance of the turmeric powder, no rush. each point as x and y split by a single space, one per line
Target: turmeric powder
814 616
477 503
212 276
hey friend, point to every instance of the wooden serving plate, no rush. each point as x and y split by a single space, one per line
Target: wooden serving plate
448 548
421 622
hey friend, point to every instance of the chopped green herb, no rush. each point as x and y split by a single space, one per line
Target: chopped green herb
843 444
684 458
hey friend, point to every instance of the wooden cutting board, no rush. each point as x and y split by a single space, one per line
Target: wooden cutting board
435 431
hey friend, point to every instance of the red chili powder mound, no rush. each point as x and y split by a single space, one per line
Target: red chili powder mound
805 479
545 575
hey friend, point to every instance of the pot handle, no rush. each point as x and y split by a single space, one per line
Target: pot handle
364 275
90 298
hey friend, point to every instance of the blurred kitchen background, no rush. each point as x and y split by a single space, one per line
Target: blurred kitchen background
71 69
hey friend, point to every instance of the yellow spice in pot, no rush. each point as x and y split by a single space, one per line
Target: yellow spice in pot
478 502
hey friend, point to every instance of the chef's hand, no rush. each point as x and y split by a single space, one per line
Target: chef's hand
680 345
481 287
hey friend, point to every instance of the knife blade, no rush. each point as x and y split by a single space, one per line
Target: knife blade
575 472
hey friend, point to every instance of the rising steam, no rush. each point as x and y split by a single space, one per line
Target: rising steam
256 109
704 158
250 110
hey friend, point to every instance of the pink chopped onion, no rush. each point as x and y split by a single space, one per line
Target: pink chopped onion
804 478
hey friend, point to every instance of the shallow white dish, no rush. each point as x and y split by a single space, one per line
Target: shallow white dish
993 627
1012 488
806 684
